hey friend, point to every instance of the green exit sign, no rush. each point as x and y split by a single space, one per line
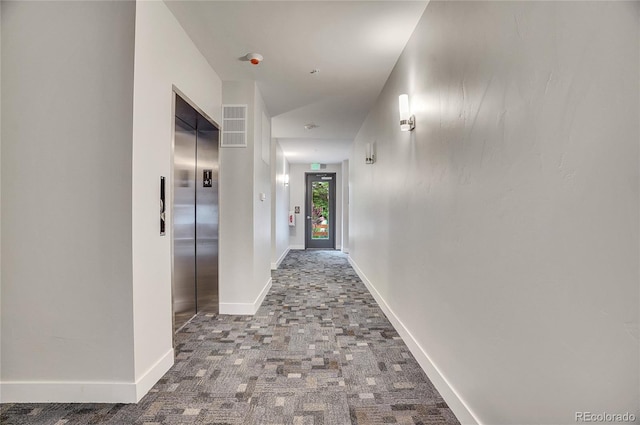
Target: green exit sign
315 167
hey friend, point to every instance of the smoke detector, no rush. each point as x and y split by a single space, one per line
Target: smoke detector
254 58
310 126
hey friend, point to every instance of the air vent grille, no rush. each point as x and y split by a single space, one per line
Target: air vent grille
234 126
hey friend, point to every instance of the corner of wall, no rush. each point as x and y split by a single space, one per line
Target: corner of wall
180 65
246 308
276 264
280 206
245 232
149 378
263 198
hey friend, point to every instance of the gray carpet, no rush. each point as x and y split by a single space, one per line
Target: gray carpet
319 351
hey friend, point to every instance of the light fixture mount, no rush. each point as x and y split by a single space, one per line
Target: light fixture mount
409 124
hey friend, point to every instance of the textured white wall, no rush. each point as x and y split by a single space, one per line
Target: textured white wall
67 84
245 221
165 56
236 205
503 231
297 194
261 184
280 204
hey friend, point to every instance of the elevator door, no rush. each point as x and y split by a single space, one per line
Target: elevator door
195 215
184 229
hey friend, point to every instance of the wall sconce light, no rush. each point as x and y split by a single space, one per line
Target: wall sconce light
407 121
286 180
370 157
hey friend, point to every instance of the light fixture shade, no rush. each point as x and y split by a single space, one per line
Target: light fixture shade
370 157
403 106
407 121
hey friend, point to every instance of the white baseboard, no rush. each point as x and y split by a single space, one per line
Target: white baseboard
85 391
68 392
246 308
153 375
448 393
274 266
302 247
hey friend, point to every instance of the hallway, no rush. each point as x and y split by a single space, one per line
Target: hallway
319 351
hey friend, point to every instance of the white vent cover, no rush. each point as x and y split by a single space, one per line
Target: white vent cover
234 126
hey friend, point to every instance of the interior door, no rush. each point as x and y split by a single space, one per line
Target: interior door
320 223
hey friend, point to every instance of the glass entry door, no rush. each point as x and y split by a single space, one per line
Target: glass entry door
320 220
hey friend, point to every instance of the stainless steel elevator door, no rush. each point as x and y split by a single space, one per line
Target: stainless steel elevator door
195 221
207 217
184 228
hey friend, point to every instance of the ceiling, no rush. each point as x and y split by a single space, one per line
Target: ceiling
353 44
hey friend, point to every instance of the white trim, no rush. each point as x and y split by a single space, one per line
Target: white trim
85 391
448 393
68 392
153 374
274 266
297 247
246 308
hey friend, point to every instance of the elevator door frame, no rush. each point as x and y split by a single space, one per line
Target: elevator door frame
177 92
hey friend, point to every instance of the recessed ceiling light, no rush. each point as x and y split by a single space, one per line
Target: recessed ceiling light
310 126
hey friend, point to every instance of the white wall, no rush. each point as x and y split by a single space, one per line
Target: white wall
67 84
297 193
245 221
280 205
0 202
165 57
261 185
236 208
502 234
345 206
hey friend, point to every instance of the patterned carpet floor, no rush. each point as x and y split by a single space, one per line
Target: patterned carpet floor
319 351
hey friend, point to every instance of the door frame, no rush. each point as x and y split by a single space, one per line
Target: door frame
331 242
169 187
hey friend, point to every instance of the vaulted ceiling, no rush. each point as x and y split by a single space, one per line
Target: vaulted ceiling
352 44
